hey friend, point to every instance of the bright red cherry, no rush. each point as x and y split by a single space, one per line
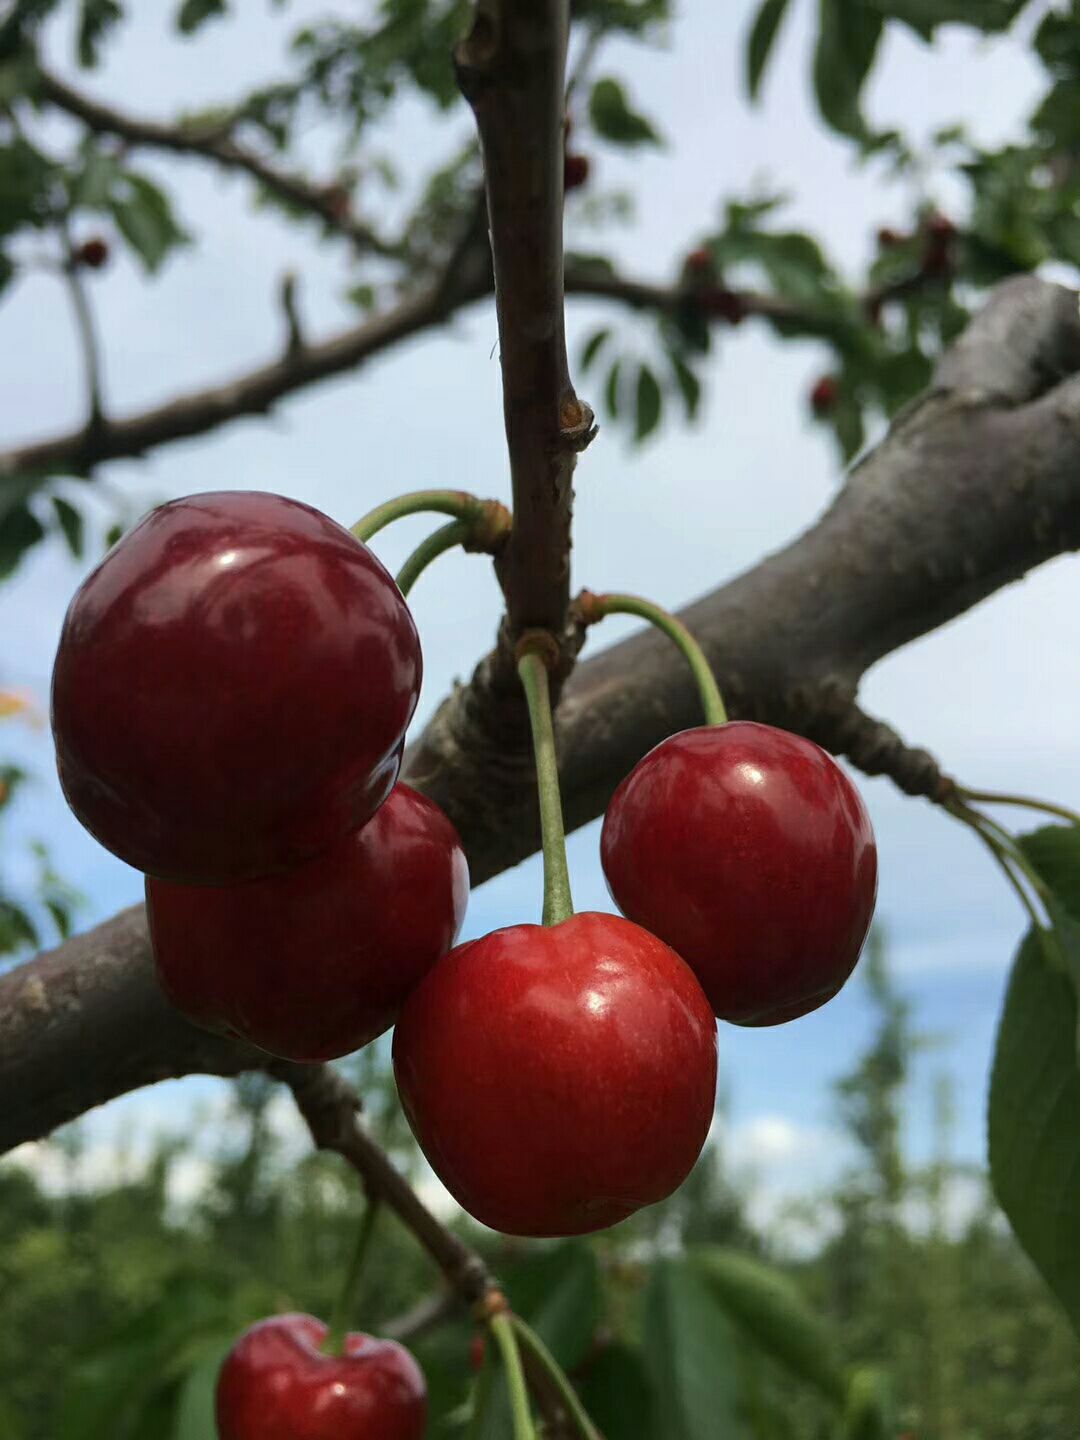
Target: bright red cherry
558 1078
824 395
277 1384
750 852
316 962
232 688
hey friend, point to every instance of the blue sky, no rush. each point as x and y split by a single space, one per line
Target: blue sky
994 695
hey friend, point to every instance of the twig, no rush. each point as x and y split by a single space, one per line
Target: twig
217 144
88 339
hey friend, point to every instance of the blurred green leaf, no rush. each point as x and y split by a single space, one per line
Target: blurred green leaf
611 390
649 404
96 19
612 117
145 219
558 1292
195 1405
193 13
924 16
771 1311
615 1392
591 348
848 35
760 43
868 1407
20 530
16 927
71 524
688 383
691 1356
1054 850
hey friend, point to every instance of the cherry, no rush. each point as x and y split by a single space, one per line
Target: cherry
338 202
940 226
477 1352
558 1078
937 255
749 851
92 253
575 171
314 963
889 239
824 395
725 304
232 688
700 261
277 1384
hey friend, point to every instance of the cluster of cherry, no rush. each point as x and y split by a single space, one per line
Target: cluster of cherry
230 700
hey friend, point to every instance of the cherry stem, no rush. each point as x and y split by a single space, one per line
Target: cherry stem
1011 858
334 1344
481 1392
558 900
506 1339
595 607
458 503
991 797
567 1394
445 538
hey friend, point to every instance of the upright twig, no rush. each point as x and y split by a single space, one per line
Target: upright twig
511 69
88 339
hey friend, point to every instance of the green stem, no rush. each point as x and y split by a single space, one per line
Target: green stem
481 1394
567 1394
1008 845
334 1344
506 1339
458 503
445 538
558 901
712 703
991 797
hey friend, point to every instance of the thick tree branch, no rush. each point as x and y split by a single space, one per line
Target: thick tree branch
975 485
511 69
216 144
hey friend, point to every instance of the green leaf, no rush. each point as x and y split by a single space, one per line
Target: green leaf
688 383
759 46
1034 1119
113 534
96 18
145 219
868 1407
71 523
195 1405
193 13
649 403
616 1395
847 42
772 1313
592 347
690 1352
16 927
558 1292
612 117
923 16
1055 852
611 390
19 530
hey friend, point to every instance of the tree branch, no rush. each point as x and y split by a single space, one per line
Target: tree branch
511 69
217 145
974 485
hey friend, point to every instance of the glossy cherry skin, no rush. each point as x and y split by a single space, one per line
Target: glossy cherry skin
314 963
558 1079
232 688
276 1384
750 852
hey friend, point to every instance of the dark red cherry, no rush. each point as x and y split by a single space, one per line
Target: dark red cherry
314 963
277 1384
558 1078
824 395
232 688
750 852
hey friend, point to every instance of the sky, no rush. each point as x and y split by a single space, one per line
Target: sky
994 695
